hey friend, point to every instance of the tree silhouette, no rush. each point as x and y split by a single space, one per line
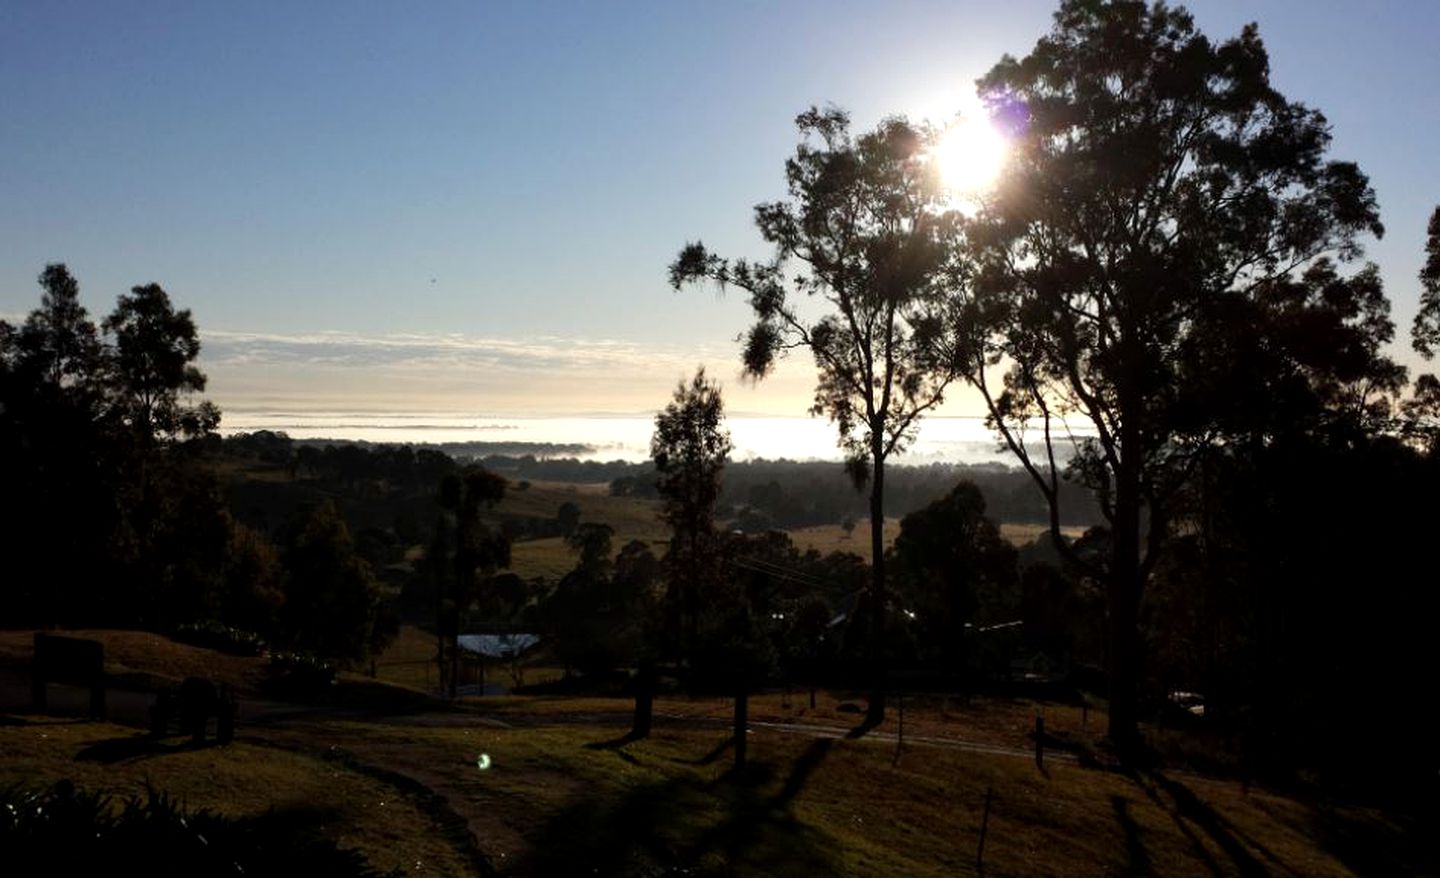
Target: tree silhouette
690 448
1154 268
155 350
593 542
475 551
331 597
871 233
568 517
57 346
59 470
598 616
1422 410
1425 333
950 564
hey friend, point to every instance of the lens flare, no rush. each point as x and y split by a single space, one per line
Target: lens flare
971 153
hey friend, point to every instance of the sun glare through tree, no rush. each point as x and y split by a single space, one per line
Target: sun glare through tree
971 152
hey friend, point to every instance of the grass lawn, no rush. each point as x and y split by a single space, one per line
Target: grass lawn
632 517
567 799
392 826
827 538
563 793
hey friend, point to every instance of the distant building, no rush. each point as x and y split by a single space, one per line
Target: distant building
498 646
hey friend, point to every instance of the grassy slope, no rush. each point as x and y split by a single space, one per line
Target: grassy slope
553 802
391 826
129 652
631 517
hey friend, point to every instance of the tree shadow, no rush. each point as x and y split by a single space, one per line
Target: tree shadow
1368 843
11 720
615 743
686 826
803 768
1134 846
136 747
617 746
1188 810
867 724
711 757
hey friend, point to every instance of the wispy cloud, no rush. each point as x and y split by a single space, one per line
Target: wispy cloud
444 351
541 374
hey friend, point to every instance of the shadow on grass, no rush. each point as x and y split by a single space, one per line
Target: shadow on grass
713 756
1134 846
12 720
1189 812
1369 843
617 746
866 725
381 698
130 748
686 826
615 743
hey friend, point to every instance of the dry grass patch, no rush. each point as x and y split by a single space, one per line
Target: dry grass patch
827 538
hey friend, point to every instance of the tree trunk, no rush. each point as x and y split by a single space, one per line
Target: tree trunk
692 603
875 714
644 699
1123 598
441 666
742 705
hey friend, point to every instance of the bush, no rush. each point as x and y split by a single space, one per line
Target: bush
64 831
223 638
300 673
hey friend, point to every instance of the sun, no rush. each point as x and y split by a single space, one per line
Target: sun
971 153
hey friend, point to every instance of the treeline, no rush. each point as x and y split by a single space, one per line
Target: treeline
783 494
763 494
756 495
114 514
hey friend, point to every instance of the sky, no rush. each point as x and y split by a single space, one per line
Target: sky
471 206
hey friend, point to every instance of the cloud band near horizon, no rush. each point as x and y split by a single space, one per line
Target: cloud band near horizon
438 372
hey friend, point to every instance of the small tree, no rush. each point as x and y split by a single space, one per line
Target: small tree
154 366
875 241
568 518
955 570
690 448
58 346
331 596
475 552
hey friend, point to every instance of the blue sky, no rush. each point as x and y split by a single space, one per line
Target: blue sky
470 206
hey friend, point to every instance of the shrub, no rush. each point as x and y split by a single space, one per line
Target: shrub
223 638
299 673
61 830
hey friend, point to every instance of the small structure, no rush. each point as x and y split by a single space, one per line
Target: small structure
191 707
498 646
72 661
